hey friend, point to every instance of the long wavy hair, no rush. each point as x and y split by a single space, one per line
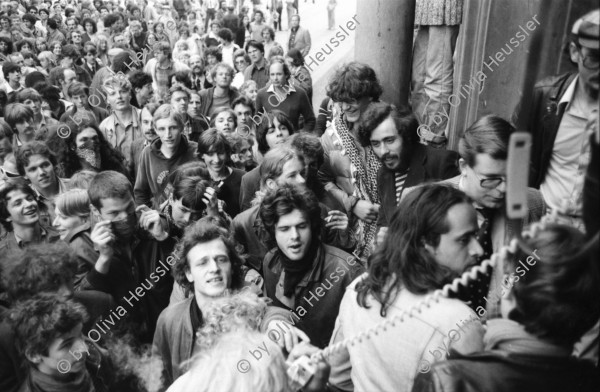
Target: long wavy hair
64 148
402 260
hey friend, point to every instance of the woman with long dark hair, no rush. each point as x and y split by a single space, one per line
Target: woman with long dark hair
83 147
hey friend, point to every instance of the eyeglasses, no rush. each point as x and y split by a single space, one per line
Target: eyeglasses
489 183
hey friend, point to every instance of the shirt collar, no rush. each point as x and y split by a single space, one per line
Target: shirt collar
290 89
569 92
21 242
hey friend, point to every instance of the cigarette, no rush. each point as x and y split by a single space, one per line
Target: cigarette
219 185
329 218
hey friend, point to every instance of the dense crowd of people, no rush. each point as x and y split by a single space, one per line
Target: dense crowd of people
177 216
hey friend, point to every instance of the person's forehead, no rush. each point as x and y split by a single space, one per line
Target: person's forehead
295 217
240 107
116 203
36 160
16 195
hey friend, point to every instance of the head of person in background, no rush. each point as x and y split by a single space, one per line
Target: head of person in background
12 74
241 60
30 60
24 45
392 134
195 106
37 163
215 26
141 84
353 87
197 64
483 149
90 27
241 152
258 17
6 140
72 24
224 120
244 111
213 57
31 98
222 75
279 73
162 52
268 34
249 89
273 130
256 51
21 119
82 179
147 122
225 37
41 44
309 147
183 79
180 99
19 210
118 93
294 59
72 212
275 51
186 204
584 51
79 95
215 151
47 60
6 46
83 148
70 55
76 38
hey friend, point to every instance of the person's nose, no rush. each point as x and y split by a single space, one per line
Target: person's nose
300 179
502 187
55 222
187 217
294 233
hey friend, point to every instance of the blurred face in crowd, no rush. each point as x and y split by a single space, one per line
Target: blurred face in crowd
144 94
79 100
25 48
196 64
3 47
14 77
266 36
258 17
295 21
119 97
458 249
182 215
223 77
388 144
89 28
251 92
225 123
169 132
256 55
215 161
180 102
136 29
71 25
76 37
147 126
70 76
277 134
588 65
64 224
195 105
277 75
34 104
40 172
485 182
25 129
240 64
17 59
293 235
41 46
22 208
66 62
244 114
352 110
57 50
245 153
209 269
211 60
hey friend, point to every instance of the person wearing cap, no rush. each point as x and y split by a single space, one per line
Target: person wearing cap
559 118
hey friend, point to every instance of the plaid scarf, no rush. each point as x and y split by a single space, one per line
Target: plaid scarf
366 184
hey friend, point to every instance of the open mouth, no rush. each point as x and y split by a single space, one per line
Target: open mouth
30 212
216 279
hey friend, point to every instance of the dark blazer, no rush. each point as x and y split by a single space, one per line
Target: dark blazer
500 371
427 164
542 120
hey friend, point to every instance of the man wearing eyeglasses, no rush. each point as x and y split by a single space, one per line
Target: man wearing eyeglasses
560 119
483 150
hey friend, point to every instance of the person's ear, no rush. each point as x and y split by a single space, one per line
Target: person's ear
428 247
574 52
33 358
95 212
189 275
462 165
271 184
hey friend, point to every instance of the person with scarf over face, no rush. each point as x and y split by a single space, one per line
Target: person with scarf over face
349 171
302 274
120 238
549 301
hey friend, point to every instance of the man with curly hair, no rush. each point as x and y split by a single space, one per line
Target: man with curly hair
302 274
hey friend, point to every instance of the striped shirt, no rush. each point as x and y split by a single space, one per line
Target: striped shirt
400 178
